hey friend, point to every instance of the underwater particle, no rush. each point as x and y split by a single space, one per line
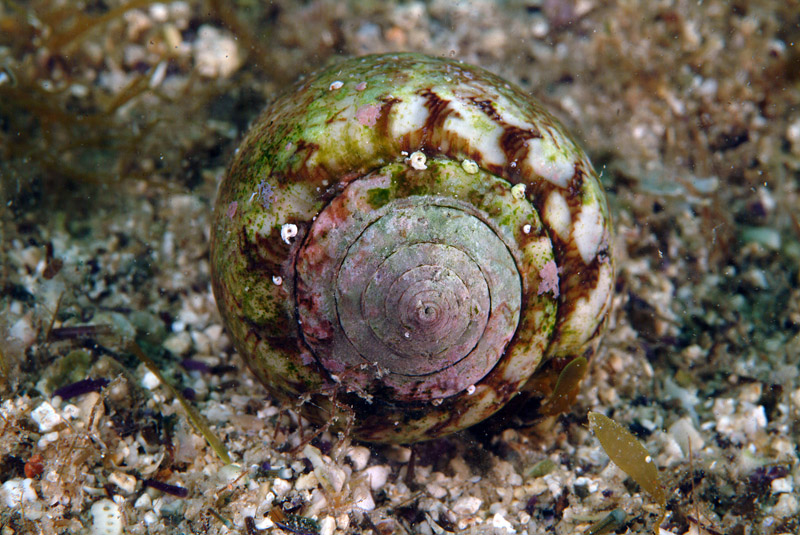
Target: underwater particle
518 191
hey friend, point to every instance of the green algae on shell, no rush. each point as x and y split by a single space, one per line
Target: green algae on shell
402 240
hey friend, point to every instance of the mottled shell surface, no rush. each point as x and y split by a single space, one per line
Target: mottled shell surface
402 241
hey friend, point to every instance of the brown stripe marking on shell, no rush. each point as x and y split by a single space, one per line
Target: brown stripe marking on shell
578 278
382 124
513 141
438 111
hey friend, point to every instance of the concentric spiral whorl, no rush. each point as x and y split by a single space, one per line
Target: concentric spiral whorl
421 292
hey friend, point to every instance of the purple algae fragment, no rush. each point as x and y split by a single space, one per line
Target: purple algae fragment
79 388
266 194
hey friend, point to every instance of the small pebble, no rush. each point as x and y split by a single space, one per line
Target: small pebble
46 417
362 498
467 505
280 486
359 455
216 53
377 476
230 473
684 433
18 491
500 523
787 506
327 526
306 482
143 502
150 381
126 482
178 344
782 485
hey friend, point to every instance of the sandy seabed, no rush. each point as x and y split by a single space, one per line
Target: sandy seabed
116 123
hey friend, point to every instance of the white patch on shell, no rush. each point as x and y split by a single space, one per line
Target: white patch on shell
587 231
557 215
548 162
588 311
481 133
510 113
335 85
408 115
288 231
518 191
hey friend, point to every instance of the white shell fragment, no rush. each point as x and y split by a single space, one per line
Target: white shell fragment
106 518
417 160
469 166
46 416
288 231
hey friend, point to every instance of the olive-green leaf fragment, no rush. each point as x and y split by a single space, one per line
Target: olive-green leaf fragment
567 388
630 455
542 468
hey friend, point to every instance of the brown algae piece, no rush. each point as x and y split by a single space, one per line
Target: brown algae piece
567 388
631 456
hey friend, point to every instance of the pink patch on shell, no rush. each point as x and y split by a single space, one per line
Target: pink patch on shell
361 86
232 209
368 114
549 275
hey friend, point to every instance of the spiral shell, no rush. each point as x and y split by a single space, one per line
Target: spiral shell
403 240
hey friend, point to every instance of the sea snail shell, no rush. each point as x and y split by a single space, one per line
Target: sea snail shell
402 240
